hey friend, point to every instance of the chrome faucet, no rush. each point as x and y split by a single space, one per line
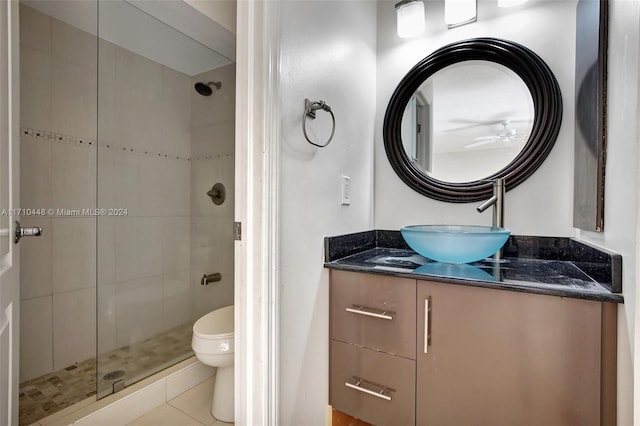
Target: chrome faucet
497 201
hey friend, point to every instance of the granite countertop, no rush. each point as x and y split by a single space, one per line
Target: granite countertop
545 265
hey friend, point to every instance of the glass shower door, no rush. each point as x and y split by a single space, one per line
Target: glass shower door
58 120
165 138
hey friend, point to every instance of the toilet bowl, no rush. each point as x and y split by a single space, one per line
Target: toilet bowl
212 343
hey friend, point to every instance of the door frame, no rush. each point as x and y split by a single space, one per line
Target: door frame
256 206
10 265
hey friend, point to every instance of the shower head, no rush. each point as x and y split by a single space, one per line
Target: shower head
205 88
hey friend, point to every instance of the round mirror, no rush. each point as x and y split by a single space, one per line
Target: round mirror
467 121
472 111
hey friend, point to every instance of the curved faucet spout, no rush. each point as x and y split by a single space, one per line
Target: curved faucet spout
490 202
211 278
497 202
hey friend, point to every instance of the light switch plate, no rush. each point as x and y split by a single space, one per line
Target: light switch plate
345 185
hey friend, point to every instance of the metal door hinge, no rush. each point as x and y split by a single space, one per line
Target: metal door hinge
237 231
118 386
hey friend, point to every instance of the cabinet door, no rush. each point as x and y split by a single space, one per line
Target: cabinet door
498 357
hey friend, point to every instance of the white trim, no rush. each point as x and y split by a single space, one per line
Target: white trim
6 323
272 179
10 275
256 272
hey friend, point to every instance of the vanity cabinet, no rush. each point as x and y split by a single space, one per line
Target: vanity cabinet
407 352
495 357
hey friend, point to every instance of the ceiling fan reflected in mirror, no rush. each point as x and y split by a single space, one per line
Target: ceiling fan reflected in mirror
505 137
474 123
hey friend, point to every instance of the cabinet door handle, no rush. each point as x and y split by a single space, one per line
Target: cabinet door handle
361 310
379 394
426 325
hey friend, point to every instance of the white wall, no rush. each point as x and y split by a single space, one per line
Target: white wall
542 205
328 53
621 189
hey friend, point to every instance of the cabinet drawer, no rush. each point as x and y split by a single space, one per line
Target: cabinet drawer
374 311
394 406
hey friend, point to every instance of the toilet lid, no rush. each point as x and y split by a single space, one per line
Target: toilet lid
217 323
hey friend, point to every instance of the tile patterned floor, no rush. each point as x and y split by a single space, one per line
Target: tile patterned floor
45 395
192 408
142 359
52 392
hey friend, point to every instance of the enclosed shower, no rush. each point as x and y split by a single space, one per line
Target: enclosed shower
127 123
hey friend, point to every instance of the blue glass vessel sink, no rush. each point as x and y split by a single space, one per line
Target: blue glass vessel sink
455 243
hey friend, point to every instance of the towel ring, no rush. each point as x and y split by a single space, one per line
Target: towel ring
310 108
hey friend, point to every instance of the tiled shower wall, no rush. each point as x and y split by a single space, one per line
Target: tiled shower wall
144 111
212 151
57 270
147 114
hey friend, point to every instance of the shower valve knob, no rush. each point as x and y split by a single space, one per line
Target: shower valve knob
217 194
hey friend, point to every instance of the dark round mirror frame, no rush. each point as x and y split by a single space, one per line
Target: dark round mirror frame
547 105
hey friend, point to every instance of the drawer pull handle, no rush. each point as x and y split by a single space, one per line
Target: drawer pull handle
361 310
379 394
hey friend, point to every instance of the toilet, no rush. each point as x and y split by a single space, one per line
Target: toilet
212 343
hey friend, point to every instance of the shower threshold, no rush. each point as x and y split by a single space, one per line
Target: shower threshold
52 392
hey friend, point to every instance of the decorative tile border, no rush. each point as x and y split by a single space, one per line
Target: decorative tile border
57 137
211 157
47 136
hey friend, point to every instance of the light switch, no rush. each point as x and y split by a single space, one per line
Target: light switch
345 184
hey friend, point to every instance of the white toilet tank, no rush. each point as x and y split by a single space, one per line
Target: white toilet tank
218 322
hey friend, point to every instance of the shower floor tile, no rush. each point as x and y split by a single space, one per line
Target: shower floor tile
135 362
48 394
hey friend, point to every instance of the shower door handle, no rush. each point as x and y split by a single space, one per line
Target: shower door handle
26 231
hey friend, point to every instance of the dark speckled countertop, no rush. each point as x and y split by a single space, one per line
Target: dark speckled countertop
545 265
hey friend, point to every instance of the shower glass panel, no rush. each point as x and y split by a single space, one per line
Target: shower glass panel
58 151
166 102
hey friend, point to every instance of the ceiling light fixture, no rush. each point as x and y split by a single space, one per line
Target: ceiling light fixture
410 16
510 3
459 12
